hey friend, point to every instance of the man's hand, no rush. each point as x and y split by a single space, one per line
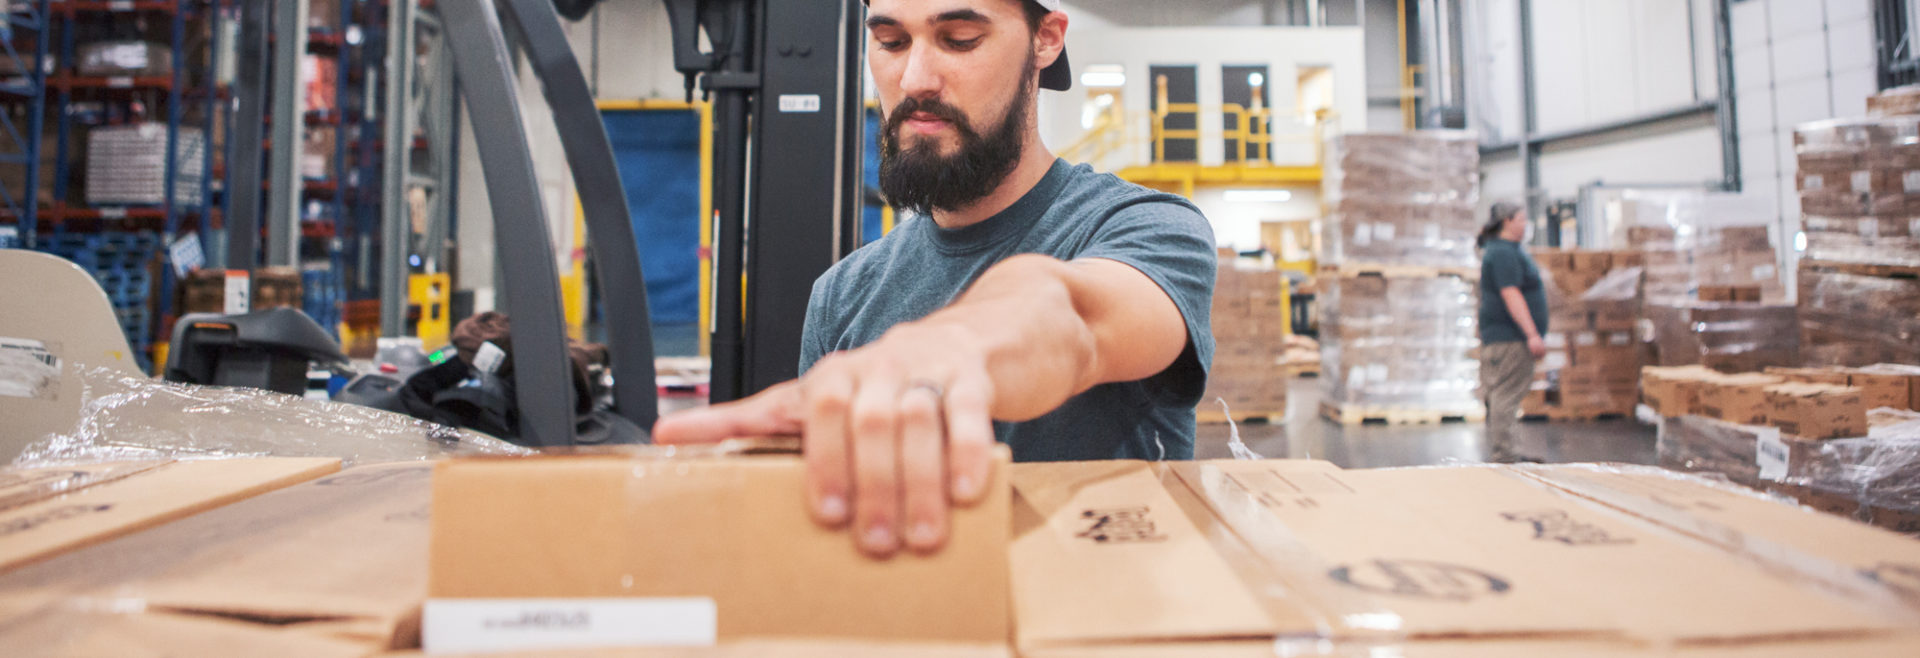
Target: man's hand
893 433
1537 346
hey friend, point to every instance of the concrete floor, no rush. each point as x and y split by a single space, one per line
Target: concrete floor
1305 434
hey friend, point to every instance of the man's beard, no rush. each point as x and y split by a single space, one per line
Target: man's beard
920 179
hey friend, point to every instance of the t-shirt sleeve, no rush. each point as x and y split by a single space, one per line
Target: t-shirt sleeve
813 340
1168 240
1504 269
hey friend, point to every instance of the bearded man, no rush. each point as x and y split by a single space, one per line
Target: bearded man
1027 301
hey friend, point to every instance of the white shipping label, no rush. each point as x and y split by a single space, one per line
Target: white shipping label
1763 272
1362 234
1862 181
799 102
239 291
28 369
1433 234
1813 182
1770 454
1910 181
482 625
489 357
1384 231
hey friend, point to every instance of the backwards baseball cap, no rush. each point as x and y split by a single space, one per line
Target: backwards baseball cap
1059 75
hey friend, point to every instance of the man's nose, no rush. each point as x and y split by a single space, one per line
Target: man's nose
921 79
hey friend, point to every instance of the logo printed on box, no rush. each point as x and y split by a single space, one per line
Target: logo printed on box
1421 579
1557 525
1119 525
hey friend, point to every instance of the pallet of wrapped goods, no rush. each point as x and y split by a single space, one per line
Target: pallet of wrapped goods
1861 243
127 165
1593 359
1895 102
1858 167
1399 350
1398 285
1725 336
1250 330
1690 240
1854 318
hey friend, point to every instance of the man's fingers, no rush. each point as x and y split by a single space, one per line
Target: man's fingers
828 401
923 468
876 463
771 413
969 419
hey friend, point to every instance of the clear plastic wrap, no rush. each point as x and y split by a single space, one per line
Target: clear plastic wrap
126 164
1863 240
131 418
1859 167
1856 320
1691 239
1725 336
124 58
1403 199
1875 479
1400 342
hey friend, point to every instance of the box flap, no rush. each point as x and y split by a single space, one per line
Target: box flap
63 522
731 530
19 486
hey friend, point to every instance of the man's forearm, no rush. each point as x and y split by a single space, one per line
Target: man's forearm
1037 355
1517 307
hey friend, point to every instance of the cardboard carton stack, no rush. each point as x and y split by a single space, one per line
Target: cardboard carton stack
1873 479
1593 360
1699 245
1809 403
1859 184
1250 340
1403 199
1397 294
1285 558
1724 336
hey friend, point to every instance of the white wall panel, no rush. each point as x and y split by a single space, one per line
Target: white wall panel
1559 65
1749 24
1501 179
1660 45
1691 155
1706 62
1799 57
1757 156
1753 112
1610 61
1752 69
1841 11
1789 162
1851 88
1806 100
1850 44
1789 18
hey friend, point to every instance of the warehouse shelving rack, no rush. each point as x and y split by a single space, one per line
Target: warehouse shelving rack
23 21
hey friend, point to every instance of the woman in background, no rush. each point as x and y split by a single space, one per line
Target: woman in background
1513 315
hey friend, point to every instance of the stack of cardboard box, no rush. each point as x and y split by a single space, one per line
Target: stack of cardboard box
1696 240
1725 336
1397 286
1403 199
1859 184
1811 403
1872 479
1250 330
1593 359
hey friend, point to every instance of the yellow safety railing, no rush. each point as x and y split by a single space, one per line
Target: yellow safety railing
1107 135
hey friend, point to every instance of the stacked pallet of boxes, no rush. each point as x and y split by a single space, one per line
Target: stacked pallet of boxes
1592 365
127 165
1859 281
1713 292
1250 339
1844 440
1398 294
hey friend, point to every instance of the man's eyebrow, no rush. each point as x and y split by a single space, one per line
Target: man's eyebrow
965 15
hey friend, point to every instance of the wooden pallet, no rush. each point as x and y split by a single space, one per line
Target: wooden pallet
1864 269
1395 271
1241 417
1556 415
1372 415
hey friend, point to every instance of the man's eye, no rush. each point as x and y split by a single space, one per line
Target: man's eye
893 45
967 44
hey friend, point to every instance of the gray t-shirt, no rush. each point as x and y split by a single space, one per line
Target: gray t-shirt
1072 213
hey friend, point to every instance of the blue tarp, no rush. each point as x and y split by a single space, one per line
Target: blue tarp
658 152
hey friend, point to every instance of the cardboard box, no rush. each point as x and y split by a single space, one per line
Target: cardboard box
1615 315
1810 375
1588 261
1816 411
1740 398
1479 555
1674 391
1882 389
341 558
39 527
721 542
1737 293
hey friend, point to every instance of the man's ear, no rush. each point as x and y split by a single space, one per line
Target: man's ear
1050 39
